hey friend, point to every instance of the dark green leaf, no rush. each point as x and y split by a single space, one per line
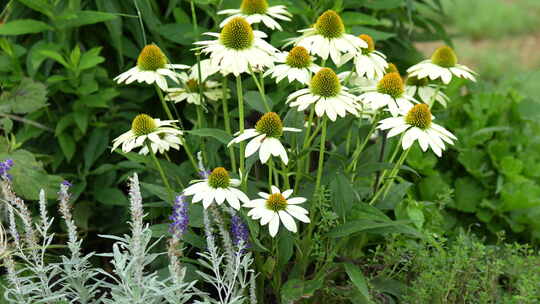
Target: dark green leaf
23 26
111 197
357 277
218 134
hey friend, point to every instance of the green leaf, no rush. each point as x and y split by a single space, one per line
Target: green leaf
375 34
35 58
67 144
383 4
90 59
82 18
343 194
295 289
41 6
81 119
156 190
469 194
56 56
218 134
111 197
27 97
97 144
23 26
357 277
285 247
29 176
253 100
356 18
361 225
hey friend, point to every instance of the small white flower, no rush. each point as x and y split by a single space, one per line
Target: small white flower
368 62
389 94
327 37
152 67
218 187
328 95
428 93
256 11
189 91
297 65
416 122
265 136
278 207
443 64
238 48
160 134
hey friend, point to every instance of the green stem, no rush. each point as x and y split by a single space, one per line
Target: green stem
388 184
299 161
227 120
260 87
161 172
163 103
240 95
270 167
286 184
361 147
200 124
321 154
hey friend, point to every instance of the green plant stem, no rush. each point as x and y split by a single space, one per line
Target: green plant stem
225 102
270 168
260 87
161 172
388 183
299 161
200 124
286 183
321 154
184 142
240 95
360 148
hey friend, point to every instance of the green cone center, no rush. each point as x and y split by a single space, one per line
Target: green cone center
250 7
298 58
270 124
414 81
276 202
330 25
151 58
391 84
445 57
219 178
143 124
325 83
419 116
237 34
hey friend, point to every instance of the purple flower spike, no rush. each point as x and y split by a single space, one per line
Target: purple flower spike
240 231
179 217
5 166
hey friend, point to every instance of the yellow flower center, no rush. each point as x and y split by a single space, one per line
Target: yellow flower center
298 58
143 124
193 86
219 178
445 57
276 202
270 124
325 83
330 25
419 116
370 42
151 58
414 81
392 68
237 34
391 84
250 7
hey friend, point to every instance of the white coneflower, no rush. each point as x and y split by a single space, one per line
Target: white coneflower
428 93
160 134
190 85
217 187
278 207
369 62
256 11
238 48
389 92
328 95
152 67
416 122
443 64
296 65
327 37
265 136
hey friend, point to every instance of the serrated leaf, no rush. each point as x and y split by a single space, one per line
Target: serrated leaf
23 26
90 59
27 97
